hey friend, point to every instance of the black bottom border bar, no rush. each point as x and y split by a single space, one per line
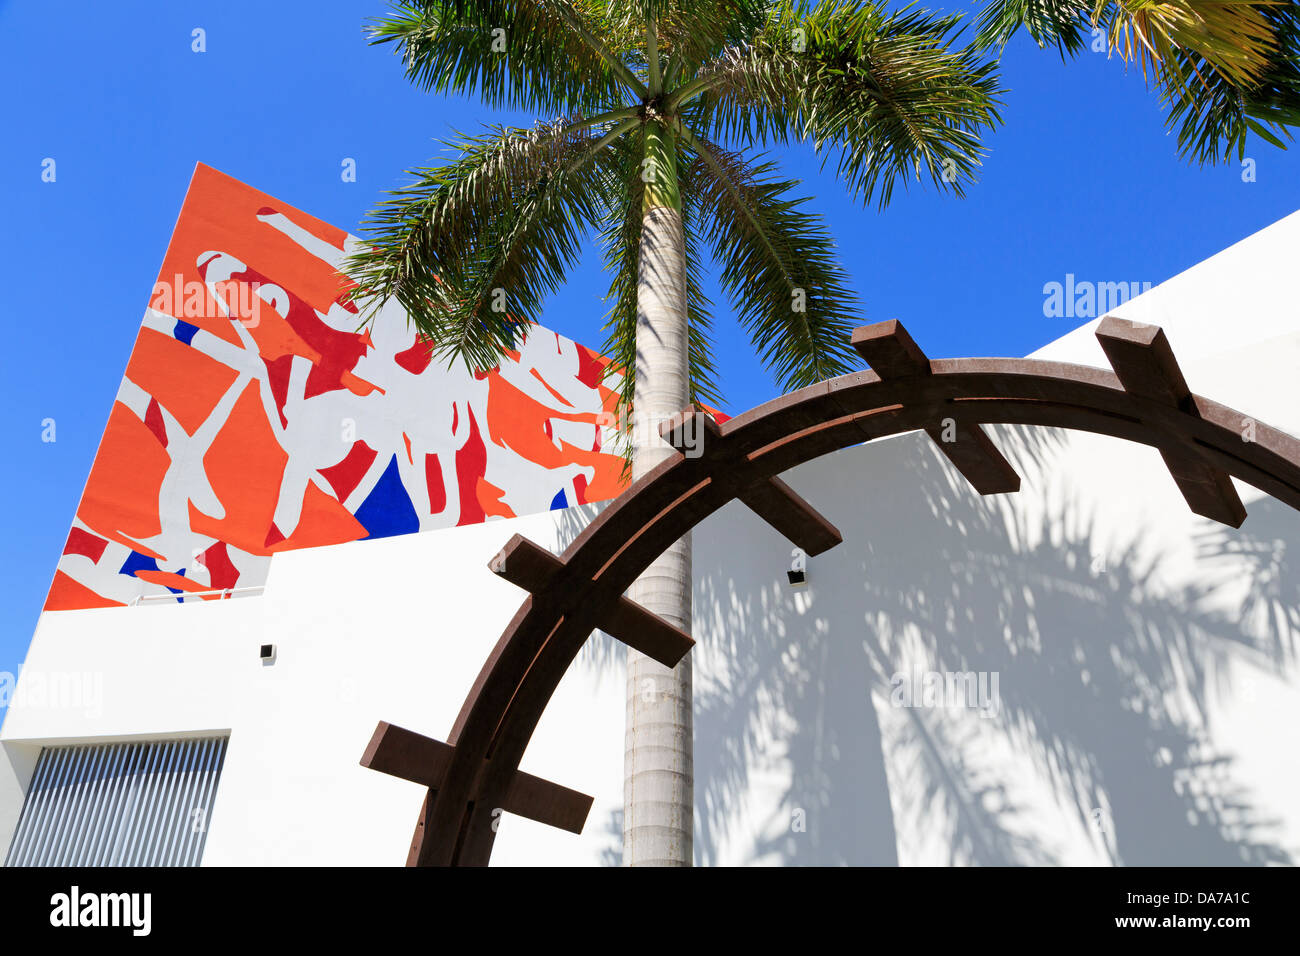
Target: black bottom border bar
930 905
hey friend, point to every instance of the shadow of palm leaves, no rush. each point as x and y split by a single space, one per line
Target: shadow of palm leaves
1104 683
1261 555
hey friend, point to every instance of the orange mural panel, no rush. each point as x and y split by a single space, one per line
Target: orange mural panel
184 381
257 417
244 466
217 214
324 521
121 497
68 594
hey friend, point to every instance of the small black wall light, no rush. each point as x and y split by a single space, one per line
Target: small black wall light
798 573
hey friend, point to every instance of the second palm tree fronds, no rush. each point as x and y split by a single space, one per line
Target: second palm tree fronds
1226 68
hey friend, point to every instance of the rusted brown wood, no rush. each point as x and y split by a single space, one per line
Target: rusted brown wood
403 753
1145 363
780 506
533 568
889 350
696 432
892 354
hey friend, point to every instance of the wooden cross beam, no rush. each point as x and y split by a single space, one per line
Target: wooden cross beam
531 567
1146 367
780 506
892 354
770 498
403 753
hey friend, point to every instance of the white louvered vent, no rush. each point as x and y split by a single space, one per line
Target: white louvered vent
136 803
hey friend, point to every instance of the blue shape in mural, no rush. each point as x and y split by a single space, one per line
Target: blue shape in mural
387 510
138 562
184 332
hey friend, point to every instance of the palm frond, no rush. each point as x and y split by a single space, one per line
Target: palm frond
549 56
886 92
621 240
1214 116
705 388
1061 23
1233 37
694 31
1225 68
472 247
778 266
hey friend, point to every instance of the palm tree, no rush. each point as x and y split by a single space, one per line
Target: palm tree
1225 68
654 110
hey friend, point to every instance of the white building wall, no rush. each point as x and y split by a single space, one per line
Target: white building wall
1144 657
393 629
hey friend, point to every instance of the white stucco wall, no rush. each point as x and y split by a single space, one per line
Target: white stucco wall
393 629
1144 656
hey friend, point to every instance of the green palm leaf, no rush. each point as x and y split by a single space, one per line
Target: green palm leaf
883 91
550 56
778 266
1225 68
474 245
472 248
620 239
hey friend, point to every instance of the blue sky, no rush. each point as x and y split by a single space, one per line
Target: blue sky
1081 179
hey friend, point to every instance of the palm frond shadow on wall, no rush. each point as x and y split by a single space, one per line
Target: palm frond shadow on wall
1105 677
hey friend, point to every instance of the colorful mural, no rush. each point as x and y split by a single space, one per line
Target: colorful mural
254 418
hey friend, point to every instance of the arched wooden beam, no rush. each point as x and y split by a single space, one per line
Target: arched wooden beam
1145 400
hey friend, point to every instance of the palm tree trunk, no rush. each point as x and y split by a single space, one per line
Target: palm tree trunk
658 779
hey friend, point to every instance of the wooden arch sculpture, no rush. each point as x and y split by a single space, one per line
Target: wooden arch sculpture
474 777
